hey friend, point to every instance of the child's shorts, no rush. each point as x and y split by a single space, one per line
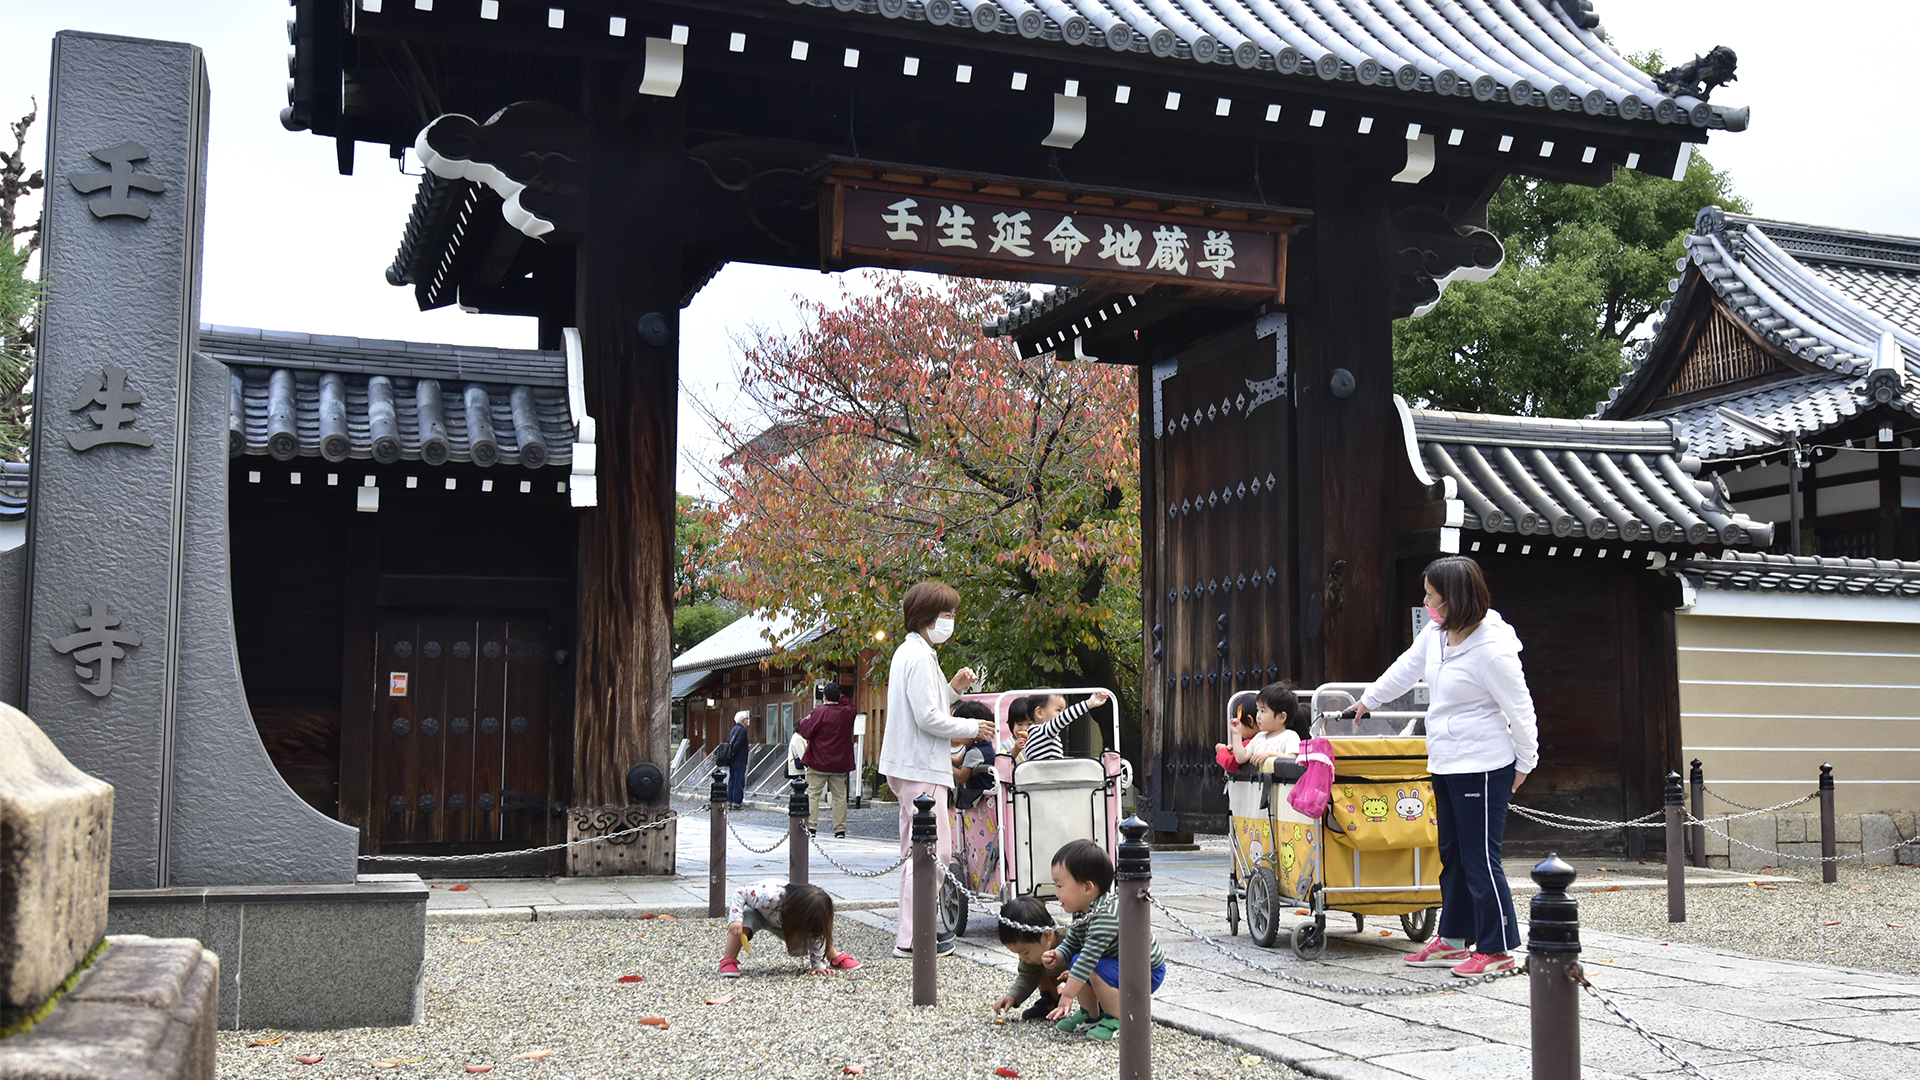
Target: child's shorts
1109 971
751 921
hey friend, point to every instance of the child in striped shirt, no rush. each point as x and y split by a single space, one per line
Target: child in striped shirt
1049 717
1083 881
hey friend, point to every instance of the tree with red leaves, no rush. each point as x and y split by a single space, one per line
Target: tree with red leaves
890 441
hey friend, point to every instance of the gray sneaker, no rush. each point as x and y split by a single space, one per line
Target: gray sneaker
905 952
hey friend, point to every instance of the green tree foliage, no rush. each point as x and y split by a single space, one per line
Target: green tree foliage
700 607
19 292
1585 269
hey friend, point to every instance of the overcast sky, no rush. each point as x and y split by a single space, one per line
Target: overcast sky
292 245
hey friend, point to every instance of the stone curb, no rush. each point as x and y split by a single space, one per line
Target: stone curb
554 912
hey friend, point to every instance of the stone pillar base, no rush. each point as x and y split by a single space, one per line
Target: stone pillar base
145 1010
647 852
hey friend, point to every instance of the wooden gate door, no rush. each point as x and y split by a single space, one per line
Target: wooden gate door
461 731
1219 583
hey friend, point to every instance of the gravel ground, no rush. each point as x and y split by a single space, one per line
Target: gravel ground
494 996
1869 919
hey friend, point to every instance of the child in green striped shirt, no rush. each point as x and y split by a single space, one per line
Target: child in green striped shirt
1083 882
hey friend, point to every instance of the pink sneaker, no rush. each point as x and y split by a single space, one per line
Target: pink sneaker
729 968
1437 953
1482 964
844 962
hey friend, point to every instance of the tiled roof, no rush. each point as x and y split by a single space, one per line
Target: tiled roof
745 639
1755 572
1846 303
14 478
1599 479
298 395
1543 53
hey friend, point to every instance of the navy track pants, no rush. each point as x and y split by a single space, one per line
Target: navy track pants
1475 902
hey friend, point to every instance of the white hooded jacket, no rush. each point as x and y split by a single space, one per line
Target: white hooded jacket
1480 713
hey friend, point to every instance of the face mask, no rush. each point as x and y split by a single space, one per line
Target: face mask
1435 616
942 630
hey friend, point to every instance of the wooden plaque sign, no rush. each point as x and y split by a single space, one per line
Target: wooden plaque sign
985 227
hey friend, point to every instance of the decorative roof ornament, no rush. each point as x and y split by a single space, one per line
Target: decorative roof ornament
1699 76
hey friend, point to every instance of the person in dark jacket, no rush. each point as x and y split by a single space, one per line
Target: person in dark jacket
736 758
828 730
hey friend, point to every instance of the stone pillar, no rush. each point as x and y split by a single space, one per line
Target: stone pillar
128 659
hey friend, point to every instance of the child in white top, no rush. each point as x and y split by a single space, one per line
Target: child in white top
1280 716
801 915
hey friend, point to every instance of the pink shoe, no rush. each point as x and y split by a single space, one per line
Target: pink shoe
1437 953
844 962
1482 964
729 968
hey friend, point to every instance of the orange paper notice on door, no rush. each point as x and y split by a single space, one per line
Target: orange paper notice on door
397 684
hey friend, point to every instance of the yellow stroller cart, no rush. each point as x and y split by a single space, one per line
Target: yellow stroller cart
1374 851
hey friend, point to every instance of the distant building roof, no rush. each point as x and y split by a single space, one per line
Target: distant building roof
341 398
1832 317
1759 573
746 639
1598 479
15 482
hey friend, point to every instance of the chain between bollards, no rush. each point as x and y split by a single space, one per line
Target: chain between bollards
1829 853
797 815
1132 878
1676 852
1698 779
1553 962
926 893
717 847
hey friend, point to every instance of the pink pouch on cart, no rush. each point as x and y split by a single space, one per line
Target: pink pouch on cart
1314 789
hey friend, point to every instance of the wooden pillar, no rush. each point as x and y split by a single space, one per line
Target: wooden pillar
628 287
1889 470
1345 447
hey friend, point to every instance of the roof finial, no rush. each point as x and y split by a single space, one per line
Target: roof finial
1699 76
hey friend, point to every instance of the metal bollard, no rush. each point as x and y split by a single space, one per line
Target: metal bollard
1676 854
1829 866
797 815
1698 780
1553 950
717 846
1132 876
926 893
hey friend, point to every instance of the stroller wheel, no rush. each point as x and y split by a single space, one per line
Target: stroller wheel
1309 941
1263 907
951 911
1419 924
1233 916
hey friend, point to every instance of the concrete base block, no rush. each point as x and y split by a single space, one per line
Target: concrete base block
1758 831
1846 828
1792 828
1876 832
1716 845
144 1011
300 957
1717 862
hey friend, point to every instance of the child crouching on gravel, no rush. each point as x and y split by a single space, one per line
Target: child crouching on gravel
1083 881
800 915
1030 946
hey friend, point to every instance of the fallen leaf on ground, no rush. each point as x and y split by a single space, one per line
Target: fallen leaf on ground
266 1042
721 1000
1774 888
1004 1071
511 933
853 1070
471 940
648 915
1249 1059
395 1063
654 1021
1896 926
1386 933
479 1068
1301 911
631 978
668 918
1605 888
458 888
535 1055
1831 922
311 1059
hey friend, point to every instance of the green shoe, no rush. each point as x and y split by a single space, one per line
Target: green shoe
1079 1021
1105 1030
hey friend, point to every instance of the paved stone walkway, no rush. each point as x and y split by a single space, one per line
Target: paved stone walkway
1736 1017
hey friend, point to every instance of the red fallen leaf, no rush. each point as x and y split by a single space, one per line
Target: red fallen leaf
854 1070
1301 911
631 979
311 1059
648 915
1896 926
721 1000
654 1021
1004 1071
1605 888
1831 922
479 1068
459 888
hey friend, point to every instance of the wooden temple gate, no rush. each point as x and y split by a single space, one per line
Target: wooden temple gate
1251 199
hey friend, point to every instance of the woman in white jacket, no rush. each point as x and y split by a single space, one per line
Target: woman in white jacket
915 751
1482 742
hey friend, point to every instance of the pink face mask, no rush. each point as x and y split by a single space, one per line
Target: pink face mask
1435 616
